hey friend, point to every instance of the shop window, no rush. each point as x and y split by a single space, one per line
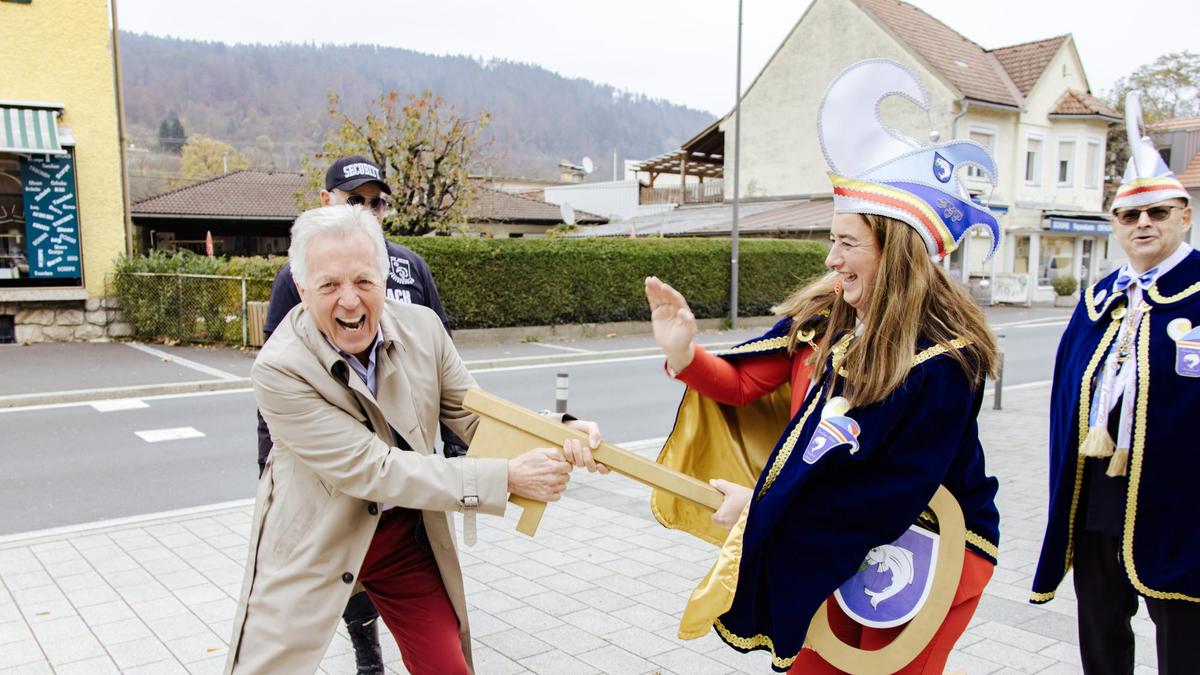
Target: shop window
1085 262
39 228
1057 257
1021 255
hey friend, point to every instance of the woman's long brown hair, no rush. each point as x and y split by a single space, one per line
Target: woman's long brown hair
911 299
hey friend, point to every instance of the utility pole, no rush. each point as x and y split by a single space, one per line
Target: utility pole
737 151
116 47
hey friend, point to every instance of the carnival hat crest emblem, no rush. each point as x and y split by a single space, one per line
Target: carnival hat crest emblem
876 169
834 430
1147 178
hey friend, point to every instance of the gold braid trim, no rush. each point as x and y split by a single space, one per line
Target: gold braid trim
757 642
1041 597
838 353
788 446
937 350
1094 313
982 544
759 346
1085 408
1137 455
1161 299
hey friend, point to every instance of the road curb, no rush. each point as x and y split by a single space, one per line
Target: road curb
479 337
114 524
136 391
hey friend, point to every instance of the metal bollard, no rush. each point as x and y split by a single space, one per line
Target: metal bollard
560 393
997 391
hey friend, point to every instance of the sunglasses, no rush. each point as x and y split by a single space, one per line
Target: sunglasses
375 204
1157 214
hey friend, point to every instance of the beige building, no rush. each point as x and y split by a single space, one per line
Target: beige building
1030 104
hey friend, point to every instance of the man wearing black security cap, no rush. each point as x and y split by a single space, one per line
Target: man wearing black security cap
357 180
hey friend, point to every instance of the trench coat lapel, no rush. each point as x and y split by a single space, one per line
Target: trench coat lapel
395 392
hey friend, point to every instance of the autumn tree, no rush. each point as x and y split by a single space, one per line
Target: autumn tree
424 149
205 157
1169 88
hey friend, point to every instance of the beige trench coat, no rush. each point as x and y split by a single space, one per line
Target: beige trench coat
320 497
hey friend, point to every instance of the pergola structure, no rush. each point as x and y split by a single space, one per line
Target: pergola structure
702 156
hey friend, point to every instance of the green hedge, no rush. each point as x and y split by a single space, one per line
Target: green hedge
521 282
186 262
487 283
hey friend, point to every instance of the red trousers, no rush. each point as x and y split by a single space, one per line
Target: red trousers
932 661
402 579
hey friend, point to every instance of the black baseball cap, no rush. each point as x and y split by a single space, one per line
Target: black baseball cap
347 173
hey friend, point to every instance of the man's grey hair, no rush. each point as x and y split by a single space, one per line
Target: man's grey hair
341 221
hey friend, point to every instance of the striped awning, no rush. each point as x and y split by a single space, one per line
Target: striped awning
29 131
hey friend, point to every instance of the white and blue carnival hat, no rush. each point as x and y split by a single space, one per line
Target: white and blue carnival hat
1147 178
878 170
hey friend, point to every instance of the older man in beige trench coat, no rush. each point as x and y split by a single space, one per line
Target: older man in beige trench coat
336 465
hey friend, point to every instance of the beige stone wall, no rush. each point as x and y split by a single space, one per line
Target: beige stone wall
91 319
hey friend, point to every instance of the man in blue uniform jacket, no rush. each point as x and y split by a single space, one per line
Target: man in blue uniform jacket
1124 503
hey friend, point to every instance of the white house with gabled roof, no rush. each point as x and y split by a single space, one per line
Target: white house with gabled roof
1031 104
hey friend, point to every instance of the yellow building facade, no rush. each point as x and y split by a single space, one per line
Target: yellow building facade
62 217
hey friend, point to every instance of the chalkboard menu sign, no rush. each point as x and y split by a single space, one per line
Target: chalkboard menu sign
51 217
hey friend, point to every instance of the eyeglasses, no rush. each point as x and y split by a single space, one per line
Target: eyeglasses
1157 214
375 204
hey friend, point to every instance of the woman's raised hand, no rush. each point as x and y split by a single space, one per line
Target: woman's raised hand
673 322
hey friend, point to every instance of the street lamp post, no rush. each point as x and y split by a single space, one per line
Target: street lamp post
737 150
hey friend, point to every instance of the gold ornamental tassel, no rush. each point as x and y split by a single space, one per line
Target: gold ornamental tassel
1119 464
1098 443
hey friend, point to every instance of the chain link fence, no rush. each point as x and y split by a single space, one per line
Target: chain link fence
191 307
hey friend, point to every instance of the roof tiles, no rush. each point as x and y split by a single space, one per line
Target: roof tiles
1026 62
973 70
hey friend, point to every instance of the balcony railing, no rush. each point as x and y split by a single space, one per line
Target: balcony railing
709 192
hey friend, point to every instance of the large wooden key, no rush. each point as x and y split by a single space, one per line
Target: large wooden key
507 430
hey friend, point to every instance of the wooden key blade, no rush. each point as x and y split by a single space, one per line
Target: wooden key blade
507 430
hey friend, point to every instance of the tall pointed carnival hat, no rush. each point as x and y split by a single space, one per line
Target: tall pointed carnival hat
1147 178
876 169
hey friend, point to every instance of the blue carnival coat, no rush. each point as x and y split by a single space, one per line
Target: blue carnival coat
811 525
1160 549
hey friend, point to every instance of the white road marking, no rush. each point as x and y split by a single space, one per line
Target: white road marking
178 433
186 363
574 350
589 362
1046 320
1041 325
159 397
116 404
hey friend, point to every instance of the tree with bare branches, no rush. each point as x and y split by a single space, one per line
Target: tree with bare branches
424 148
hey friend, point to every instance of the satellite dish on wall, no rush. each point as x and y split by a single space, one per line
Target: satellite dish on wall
568 213
588 166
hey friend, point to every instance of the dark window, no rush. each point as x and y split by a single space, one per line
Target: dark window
8 331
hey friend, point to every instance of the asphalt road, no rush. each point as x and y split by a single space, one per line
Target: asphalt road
77 463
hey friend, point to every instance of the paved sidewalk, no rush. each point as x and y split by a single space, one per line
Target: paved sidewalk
600 589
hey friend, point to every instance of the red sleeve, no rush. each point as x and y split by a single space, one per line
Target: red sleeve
736 383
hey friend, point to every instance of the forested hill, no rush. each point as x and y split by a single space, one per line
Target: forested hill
274 97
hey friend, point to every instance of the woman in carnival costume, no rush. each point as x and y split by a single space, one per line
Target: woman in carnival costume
875 379
1123 463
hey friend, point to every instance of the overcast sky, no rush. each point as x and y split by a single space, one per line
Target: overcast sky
680 50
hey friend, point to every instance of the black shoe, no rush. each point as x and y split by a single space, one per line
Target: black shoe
368 656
